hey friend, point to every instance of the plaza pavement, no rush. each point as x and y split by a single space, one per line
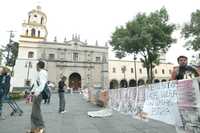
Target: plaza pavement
75 120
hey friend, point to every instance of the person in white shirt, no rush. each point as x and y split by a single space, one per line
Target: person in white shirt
37 123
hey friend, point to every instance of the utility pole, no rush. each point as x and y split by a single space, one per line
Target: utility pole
123 71
11 35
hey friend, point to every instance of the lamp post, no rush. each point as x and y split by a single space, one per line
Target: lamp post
29 65
135 58
124 70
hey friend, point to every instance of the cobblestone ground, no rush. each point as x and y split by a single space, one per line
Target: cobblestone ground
75 120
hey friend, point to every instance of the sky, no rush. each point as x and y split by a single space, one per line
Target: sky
93 19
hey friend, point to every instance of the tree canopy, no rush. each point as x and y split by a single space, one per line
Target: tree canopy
148 35
191 31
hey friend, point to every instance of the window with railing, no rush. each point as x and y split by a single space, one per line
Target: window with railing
163 71
30 54
156 71
62 55
98 59
75 56
114 70
131 70
51 56
140 71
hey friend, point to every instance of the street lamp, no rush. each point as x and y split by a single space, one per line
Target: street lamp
29 65
123 71
135 58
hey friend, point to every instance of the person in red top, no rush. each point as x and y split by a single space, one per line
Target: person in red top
184 71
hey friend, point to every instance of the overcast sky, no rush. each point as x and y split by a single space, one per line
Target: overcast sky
92 19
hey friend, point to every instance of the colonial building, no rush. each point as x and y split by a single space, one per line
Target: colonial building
130 73
84 65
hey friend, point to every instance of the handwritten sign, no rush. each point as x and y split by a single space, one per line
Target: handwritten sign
173 102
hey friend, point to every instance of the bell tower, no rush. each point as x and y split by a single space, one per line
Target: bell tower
34 28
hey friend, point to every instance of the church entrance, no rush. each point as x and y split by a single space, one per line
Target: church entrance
75 81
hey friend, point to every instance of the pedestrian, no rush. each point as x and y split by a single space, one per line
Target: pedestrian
184 71
47 99
4 87
37 123
61 93
7 79
1 93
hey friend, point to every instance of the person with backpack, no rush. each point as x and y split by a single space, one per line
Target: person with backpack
37 123
184 71
2 92
4 87
61 94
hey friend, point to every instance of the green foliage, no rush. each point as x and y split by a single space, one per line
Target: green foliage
191 31
147 35
120 54
1 56
16 95
12 50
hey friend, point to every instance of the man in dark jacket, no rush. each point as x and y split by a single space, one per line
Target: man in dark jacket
61 93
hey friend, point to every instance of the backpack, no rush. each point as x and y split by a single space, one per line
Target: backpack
46 92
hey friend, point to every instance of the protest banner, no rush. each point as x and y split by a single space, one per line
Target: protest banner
174 102
160 102
189 106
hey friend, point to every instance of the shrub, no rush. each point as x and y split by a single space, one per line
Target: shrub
16 95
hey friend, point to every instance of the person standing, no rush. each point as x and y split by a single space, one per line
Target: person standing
2 92
47 99
61 94
37 123
184 71
7 79
4 87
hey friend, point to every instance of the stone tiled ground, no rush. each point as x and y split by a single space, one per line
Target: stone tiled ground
77 121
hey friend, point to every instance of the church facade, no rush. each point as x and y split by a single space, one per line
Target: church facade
84 65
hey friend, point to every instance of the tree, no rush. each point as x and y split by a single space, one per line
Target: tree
120 54
12 53
147 35
191 31
1 56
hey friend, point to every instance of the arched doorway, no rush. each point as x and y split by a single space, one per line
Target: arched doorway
163 80
123 83
75 81
140 82
132 83
156 81
114 84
